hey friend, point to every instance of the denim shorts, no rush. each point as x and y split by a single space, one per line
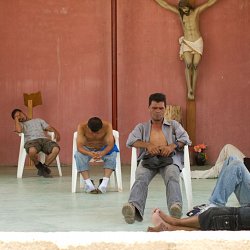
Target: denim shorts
82 160
41 144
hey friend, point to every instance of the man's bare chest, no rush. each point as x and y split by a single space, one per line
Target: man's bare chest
157 137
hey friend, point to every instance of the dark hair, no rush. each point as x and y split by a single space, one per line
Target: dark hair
14 112
95 124
157 97
183 4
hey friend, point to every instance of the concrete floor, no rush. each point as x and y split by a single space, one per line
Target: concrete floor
37 204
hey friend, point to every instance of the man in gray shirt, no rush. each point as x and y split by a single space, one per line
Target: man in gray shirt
35 140
161 143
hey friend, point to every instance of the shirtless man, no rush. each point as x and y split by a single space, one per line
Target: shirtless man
158 139
191 44
95 145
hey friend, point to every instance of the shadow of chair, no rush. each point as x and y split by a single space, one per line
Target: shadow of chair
115 178
23 154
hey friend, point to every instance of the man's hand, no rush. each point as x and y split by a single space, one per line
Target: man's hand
167 150
94 155
17 117
153 150
96 159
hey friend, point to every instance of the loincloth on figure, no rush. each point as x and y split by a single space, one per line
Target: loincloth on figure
193 47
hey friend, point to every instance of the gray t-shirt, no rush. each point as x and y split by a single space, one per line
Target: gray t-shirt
34 129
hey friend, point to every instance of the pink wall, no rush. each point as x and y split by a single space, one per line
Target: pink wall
63 49
148 62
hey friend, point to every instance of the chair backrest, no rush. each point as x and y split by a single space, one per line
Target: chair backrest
74 142
116 136
51 135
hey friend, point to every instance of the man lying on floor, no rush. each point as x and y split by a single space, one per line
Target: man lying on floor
234 177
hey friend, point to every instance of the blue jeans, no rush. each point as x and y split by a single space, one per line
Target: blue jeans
143 176
82 161
234 177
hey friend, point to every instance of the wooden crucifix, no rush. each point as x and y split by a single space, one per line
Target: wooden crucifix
191 49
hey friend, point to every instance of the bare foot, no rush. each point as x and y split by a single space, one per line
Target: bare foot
156 218
190 95
161 227
167 218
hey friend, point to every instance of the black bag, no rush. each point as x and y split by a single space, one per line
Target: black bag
156 161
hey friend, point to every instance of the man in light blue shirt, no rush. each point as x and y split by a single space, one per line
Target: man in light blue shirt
161 151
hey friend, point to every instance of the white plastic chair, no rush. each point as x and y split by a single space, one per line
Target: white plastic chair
117 174
23 154
185 174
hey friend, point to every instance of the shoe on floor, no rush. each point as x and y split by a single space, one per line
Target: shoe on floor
47 169
42 172
128 211
40 168
176 211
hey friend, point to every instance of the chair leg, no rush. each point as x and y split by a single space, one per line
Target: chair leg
58 165
188 188
118 173
187 178
112 180
133 166
21 163
74 177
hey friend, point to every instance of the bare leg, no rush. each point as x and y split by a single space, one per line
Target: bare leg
52 156
188 73
33 155
168 227
85 174
191 222
107 172
196 60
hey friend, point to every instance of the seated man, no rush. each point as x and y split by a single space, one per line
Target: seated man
35 140
161 144
234 177
95 144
